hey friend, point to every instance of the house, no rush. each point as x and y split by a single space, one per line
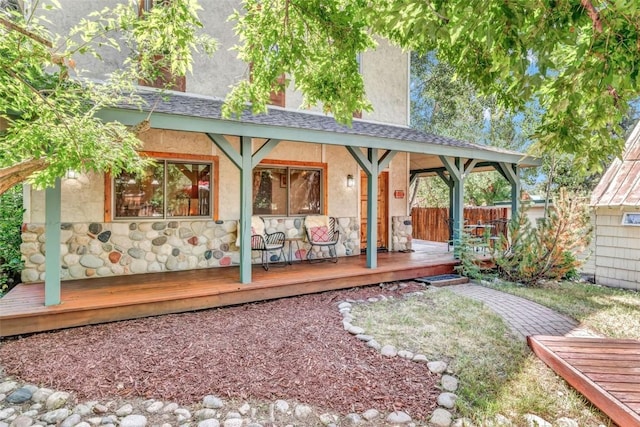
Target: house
615 259
192 210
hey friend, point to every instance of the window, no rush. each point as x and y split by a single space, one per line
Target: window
166 189
164 78
287 191
631 218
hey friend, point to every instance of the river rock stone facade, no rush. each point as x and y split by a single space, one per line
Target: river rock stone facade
121 248
402 230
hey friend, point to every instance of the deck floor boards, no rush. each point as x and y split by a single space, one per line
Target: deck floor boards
606 371
97 300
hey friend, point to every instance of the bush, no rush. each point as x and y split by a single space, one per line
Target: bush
530 255
11 211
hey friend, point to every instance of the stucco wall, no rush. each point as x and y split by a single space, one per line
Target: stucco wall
385 70
83 198
617 249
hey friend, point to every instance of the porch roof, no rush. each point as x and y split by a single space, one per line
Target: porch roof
194 113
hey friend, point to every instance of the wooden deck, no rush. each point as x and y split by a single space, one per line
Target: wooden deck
100 300
605 371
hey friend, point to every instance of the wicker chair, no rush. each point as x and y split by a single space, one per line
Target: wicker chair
266 243
321 232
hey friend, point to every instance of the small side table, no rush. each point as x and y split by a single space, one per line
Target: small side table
291 241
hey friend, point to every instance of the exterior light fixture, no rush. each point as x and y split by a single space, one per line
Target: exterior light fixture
350 181
71 174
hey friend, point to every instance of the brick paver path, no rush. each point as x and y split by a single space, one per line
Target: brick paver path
523 316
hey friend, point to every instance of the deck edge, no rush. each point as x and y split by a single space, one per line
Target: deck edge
620 413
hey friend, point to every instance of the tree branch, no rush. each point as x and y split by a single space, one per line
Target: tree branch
13 27
15 174
593 14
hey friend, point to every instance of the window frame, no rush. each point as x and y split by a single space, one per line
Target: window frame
291 164
627 222
109 185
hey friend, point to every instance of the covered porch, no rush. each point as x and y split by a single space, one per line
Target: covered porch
92 301
242 144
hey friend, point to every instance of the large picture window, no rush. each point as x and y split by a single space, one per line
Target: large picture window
287 191
166 189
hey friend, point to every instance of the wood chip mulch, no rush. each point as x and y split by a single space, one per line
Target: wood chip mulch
293 348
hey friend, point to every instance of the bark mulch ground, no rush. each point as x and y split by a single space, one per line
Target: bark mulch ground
293 348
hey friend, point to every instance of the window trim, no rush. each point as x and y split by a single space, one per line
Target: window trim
626 215
109 202
300 165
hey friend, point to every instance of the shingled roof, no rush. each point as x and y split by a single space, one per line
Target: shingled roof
211 108
620 185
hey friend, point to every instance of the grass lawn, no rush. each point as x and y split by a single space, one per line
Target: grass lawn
498 373
614 313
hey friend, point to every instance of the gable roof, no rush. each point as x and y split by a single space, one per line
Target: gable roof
204 114
620 184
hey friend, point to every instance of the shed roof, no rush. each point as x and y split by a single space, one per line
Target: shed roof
313 127
620 184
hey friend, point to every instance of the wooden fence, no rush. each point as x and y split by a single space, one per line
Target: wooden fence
432 223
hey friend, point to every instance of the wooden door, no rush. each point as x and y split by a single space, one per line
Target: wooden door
383 211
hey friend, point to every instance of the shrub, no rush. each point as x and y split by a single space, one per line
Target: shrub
548 251
10 229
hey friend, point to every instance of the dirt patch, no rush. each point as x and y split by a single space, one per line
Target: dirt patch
293 348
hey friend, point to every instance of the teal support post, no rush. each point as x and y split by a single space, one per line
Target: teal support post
245 161
246 209
515 193
456 174
52 245
511 172
458 209
372 209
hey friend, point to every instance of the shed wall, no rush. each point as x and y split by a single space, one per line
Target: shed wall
617 249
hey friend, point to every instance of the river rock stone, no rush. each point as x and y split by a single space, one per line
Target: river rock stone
21 421
20 395
212 402
440 418
566 422
447 400
57 399
303 411
388 350
370 414
134 421
282 406
437 367
398 417
91 261
124 410
71 421
56 416
104 236
536 421
449 383
41 395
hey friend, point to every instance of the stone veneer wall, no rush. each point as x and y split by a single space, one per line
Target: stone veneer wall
402 229
120 248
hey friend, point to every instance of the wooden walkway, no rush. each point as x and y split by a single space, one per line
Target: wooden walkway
107 299
606 371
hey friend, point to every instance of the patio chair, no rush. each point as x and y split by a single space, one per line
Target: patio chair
266 243
321 233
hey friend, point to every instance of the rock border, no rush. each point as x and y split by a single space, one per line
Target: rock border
441 416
